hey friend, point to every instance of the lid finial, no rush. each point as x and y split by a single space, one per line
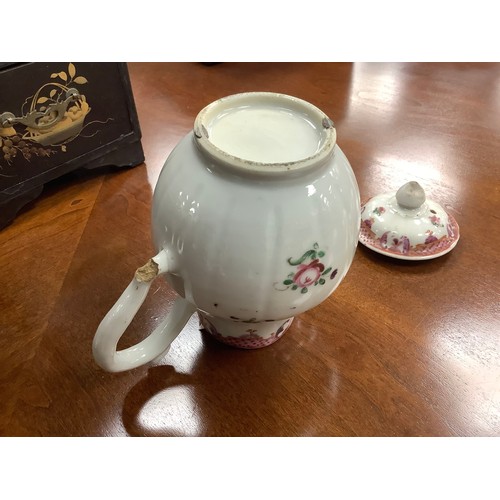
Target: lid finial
411 195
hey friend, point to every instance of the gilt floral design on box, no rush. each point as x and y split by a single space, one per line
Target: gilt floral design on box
48 120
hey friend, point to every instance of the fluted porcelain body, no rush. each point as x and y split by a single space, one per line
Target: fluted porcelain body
255 217
251 247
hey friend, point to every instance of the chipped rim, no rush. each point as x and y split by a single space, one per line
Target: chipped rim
320 119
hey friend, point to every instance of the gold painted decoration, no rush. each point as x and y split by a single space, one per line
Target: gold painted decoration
50 119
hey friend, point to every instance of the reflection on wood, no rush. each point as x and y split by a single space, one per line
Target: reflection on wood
401 348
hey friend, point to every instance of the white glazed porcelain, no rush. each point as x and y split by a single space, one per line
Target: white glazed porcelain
405 225
256 219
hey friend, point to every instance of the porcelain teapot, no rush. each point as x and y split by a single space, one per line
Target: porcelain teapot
255 219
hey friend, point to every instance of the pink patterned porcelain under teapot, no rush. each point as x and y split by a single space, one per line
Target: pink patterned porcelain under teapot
255 218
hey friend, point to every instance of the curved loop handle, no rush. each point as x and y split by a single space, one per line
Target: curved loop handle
119 317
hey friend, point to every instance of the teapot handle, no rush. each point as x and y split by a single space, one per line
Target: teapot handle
119 317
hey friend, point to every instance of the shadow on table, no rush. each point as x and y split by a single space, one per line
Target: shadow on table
234 392
158 380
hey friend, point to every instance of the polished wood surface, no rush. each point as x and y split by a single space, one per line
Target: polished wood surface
399 349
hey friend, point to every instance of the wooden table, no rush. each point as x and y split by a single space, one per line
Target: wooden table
400 348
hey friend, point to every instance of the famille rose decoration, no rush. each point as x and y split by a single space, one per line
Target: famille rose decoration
309 271
405 225
255 219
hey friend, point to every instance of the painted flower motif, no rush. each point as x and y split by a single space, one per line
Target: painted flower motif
401 245
379 210
308 274
430 237
436 221
383 239
369 222
310 271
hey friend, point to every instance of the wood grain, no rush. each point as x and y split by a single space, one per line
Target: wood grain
400 349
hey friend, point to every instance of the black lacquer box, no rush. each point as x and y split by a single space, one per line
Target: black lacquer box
59 117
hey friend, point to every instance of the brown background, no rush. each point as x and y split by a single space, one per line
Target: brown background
400 349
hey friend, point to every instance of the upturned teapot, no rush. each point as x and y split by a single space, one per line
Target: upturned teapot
255 219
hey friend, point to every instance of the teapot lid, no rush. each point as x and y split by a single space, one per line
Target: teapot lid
406 225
